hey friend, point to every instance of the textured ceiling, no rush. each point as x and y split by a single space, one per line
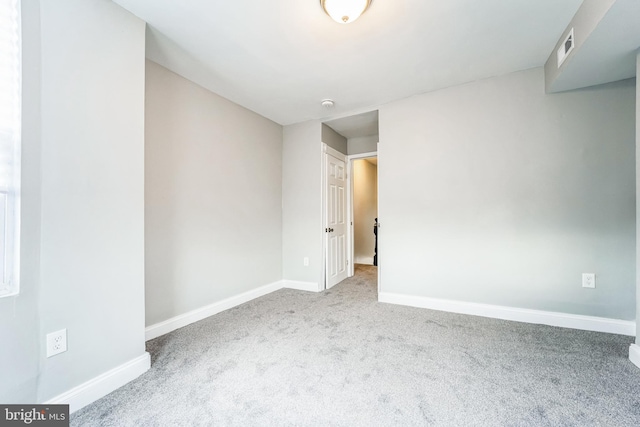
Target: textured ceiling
281 58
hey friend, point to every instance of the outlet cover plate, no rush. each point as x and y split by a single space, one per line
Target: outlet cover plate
588 280
56 342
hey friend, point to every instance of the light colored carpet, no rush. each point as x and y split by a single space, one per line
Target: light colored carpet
340 358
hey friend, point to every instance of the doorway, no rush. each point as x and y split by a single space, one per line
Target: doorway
364 210
349 139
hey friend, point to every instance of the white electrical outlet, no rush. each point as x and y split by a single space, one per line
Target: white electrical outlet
56 342
305 261
588 280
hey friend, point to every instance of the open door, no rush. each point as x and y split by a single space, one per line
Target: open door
335 217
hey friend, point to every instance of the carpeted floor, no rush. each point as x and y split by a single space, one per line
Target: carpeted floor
340 358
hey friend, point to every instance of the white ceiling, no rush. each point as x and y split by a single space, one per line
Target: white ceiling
281 58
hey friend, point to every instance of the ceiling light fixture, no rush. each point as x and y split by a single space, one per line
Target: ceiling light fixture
328 103
345 11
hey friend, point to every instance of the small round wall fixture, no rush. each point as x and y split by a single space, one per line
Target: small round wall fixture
345 11
328 103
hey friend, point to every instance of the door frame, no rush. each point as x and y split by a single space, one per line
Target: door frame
323 180
350 184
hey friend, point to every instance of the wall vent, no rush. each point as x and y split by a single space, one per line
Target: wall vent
566 47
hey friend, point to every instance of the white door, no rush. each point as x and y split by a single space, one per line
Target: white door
336 221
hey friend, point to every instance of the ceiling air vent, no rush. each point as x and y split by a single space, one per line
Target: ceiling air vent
565 48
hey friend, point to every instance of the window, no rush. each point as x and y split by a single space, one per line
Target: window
10 125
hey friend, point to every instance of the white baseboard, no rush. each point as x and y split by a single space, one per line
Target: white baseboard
196 315
634 354
564 320
363 260
161 328
98 387
301 286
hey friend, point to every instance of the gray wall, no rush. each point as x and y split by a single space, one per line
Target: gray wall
301 202
213 197
362 144
494 192
333 139
19 317
92 247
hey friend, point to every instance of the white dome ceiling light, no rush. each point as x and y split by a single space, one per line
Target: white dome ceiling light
345 11
328 103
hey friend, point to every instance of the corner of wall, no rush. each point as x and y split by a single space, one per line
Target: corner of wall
634 354
638 200
301 202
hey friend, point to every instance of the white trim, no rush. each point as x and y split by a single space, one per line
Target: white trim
193 316
10 275
323 216
182 320
362 155
98 387
350 196
634 354
301 286
367 260
378 224
350 242
564 320
335 153
7 291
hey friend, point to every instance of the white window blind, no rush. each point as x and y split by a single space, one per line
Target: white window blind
10 125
